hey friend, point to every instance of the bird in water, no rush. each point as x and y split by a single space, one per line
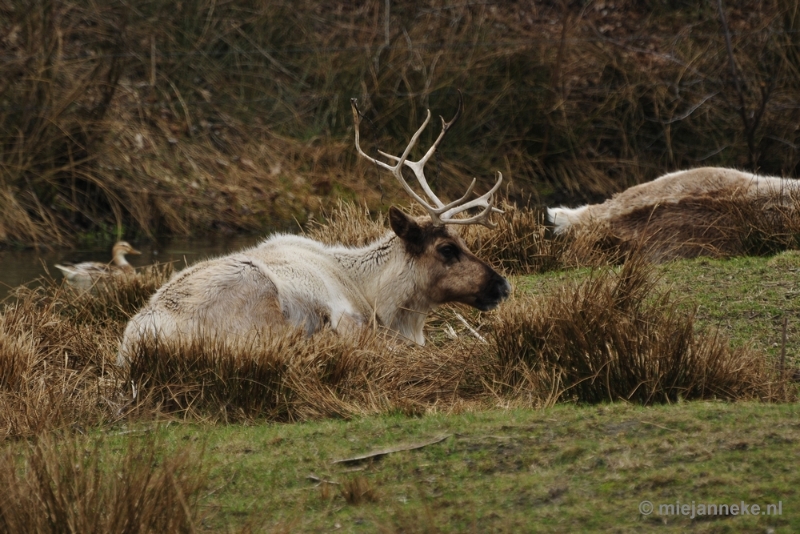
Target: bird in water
84 275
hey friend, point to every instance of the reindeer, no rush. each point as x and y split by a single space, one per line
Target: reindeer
703 211
290 280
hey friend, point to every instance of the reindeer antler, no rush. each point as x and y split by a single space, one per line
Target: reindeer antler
439 212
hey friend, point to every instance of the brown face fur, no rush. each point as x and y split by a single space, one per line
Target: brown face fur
453 273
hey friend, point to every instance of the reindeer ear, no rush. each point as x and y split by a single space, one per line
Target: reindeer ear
405 227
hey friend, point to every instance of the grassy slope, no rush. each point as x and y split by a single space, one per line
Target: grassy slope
565 469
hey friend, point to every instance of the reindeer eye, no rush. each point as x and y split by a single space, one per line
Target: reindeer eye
448 252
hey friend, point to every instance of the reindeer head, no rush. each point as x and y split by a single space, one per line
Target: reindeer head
447 270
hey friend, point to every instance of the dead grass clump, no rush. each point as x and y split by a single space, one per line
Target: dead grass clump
766 226
349 224
63 484
519 244
358 490
744 224
110 301
612 338
53 372
289 377
57 353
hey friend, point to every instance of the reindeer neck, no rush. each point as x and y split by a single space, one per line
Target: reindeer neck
381 271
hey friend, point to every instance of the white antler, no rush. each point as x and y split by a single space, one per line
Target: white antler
439 212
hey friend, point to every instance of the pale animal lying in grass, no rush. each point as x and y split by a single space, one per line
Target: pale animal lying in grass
704 211
294 281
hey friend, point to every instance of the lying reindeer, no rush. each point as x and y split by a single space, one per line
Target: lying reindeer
708 211
291 280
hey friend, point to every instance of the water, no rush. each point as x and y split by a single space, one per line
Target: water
23 267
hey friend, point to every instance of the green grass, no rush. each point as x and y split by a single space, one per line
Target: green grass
747 298
566 469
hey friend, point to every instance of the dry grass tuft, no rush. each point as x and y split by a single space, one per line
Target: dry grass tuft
766 226
66 485
358 490
349 224
57 348
612 338
520 244
289 377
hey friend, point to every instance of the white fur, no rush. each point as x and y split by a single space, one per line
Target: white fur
310 282
562 218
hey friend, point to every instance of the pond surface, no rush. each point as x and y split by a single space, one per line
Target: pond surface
23 267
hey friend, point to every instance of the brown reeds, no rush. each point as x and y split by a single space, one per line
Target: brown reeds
57 347
164 119
358 490
350 224
291 377
66 484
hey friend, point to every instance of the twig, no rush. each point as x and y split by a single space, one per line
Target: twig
386 17
656 425
472 330
319 480
383 452
449 331
386 33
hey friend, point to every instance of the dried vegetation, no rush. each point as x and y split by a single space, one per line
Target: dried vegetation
234 116
613 337
67 485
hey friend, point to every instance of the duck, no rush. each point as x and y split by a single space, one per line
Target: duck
87 273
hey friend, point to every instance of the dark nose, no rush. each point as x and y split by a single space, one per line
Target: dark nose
495 291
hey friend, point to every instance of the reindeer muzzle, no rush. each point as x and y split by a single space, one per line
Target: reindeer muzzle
495 291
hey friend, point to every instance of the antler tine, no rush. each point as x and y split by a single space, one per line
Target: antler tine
357 123
396 170
482 218
418 167
484 201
